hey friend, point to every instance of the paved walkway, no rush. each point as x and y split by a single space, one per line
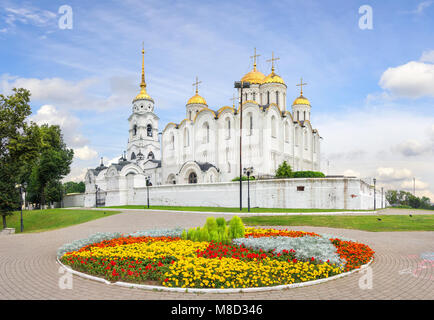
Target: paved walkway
28 268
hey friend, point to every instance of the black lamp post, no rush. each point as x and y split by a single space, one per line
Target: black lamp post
375 195
96 196
22 188
147 178
240 85
248 172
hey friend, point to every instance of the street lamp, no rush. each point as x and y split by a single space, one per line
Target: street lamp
22 188
375 195
240 85
148 180
248 171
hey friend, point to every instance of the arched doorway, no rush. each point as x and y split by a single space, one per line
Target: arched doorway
192 177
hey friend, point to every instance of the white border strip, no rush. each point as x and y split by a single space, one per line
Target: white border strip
197 290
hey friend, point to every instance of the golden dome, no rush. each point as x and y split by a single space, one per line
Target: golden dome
197 99
254 76
143 94
301 100
273 78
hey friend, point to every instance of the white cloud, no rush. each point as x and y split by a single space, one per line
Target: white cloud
351 173
414 79
77 174
364 141
427 56
393 174
29 15
417 184
68 123
422 6
75 95
410 148
85 153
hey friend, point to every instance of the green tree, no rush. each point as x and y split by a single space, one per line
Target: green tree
19 144
392 197
284 171
74 187
53 163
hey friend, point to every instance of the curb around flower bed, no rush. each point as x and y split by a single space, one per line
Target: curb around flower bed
198 290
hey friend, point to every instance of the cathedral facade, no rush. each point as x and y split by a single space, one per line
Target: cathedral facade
205 146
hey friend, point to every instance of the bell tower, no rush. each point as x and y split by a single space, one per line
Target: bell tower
143 143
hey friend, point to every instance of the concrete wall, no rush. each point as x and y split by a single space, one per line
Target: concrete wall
320 193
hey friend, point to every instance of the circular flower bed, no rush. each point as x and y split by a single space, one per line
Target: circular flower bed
262 258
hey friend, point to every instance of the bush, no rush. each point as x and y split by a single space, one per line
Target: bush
236 228
243 178
284 171
308 174
216 230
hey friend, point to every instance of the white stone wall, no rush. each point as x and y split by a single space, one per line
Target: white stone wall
327 193
73 200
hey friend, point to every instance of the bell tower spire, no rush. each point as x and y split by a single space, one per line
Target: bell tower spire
143 94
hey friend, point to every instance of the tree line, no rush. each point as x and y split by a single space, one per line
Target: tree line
404 199
31 154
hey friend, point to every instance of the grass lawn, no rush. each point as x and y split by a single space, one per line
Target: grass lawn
224 209
49 219
367 223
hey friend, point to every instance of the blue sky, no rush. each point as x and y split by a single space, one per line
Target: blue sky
372 91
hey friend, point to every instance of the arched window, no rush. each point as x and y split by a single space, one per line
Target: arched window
245 97
133 156
205 129
149 130
260 99
304 115
286 132
297 136
273 126
151 155
277 97
172 141
298 115
189 115
192 178
186 137
254 96
268 97
134 130
250 124
228 128
305 139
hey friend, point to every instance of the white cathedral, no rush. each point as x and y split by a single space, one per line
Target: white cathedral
205 146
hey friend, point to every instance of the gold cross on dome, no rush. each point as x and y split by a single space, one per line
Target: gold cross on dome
233 100
272 61
197 84
301 84
254 58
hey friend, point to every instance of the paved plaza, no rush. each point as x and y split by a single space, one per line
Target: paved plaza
402 269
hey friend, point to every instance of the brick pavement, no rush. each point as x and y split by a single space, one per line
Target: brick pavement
28 268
